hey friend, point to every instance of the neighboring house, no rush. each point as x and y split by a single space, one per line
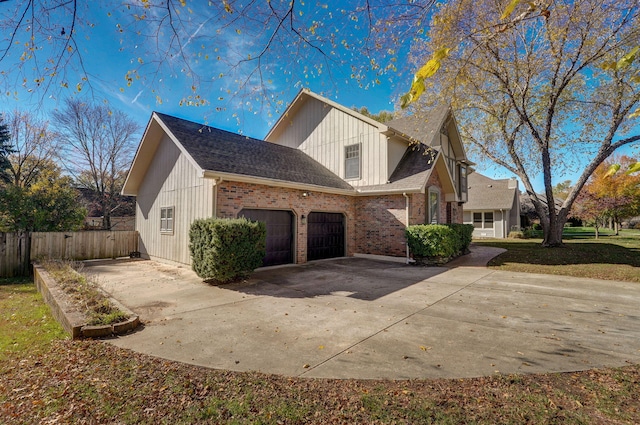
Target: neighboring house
328 181
493 206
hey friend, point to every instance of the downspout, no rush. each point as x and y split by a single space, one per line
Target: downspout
406 212
504 224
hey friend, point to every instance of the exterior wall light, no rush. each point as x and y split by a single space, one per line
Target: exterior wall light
303 219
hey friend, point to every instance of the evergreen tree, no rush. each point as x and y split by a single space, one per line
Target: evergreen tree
5 150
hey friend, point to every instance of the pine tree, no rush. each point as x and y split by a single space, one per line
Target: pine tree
5 150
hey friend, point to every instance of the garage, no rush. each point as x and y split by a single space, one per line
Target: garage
279 234
325 235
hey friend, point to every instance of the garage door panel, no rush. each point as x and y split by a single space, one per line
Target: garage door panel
325 235
279 243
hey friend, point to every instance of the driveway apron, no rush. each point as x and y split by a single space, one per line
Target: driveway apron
371 319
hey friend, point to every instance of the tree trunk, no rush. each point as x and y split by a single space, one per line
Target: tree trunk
106 213
597 233
553 234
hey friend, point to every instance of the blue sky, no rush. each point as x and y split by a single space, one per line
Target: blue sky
110 47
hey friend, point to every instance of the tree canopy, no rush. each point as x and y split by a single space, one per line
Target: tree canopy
99 143
545 88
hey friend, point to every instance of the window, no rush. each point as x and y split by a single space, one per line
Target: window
483 220
434 205
463 181
477 220
352 161
488 220
166 220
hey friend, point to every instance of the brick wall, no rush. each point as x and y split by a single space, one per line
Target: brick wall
380 225
234 196
374 224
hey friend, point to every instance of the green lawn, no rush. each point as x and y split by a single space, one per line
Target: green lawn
47 378
609 257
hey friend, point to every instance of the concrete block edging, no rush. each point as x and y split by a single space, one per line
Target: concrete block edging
73 321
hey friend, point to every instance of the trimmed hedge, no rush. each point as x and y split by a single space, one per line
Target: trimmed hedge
226 249
439 241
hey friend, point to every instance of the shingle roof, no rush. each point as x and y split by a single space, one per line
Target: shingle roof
421 127
489 194
222 151
412 171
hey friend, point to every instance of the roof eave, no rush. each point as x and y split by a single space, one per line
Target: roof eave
275 182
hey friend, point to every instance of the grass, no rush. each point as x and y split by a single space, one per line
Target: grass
45 378
609 257
25 321
84 293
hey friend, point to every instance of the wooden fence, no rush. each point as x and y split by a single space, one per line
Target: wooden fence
87 245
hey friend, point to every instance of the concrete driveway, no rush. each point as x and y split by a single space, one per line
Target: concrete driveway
361 318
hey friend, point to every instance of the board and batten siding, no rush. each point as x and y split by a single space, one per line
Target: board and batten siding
322 132
171 181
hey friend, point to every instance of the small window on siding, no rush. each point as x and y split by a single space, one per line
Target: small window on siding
477 220
434 205
488 220
352 161
166 220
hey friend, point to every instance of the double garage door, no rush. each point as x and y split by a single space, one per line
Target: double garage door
325 235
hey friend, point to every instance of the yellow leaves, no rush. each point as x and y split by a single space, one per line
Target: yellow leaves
623 63
634 168
509 9
614 168
183 3
158 100
227 6
628 59
427 71
635 114
79 87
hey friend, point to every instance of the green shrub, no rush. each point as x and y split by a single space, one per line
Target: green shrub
464 233
432 240
537 226
226 249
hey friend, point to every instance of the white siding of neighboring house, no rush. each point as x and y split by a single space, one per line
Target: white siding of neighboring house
494 231
322 132
171 180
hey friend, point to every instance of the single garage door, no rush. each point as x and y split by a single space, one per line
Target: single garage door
325 235
279 234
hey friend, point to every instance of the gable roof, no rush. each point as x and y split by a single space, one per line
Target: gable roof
422 128
489 194
301 98
411 173
218 151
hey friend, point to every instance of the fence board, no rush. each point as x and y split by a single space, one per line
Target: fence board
13 254
86 245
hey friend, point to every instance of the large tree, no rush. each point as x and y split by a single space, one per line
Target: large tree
49 203
617 195
34 147
99 143
541 89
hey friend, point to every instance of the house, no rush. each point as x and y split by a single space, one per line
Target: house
328 181
493 206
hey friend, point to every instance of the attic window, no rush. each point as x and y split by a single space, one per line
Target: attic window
352 161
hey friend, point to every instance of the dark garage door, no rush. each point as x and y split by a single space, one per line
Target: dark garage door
325 235
279 234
